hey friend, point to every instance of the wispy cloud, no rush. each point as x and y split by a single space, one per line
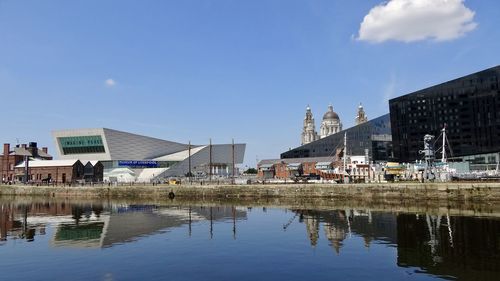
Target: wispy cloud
416 20
464 52
110 83
389 91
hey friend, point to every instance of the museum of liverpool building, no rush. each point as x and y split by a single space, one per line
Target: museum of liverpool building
469 107
128 157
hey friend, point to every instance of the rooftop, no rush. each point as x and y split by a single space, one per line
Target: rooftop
48 163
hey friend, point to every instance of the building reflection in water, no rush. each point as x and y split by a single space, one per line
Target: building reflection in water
339 225
442 245
462 247
96 226
22 221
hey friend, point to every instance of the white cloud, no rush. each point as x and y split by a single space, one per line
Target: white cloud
389 91
110 82
415 20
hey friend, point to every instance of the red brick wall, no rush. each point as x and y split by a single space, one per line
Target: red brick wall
58 174
281 171
6 161
260 174
309 168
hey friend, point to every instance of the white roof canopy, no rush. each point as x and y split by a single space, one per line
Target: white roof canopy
179 156
49 163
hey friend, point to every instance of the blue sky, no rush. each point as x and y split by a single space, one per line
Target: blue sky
223 69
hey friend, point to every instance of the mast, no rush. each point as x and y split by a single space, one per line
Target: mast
443 153
498 162
232 181
345 151
189 163
210 161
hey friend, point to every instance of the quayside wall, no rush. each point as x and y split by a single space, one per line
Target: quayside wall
485 209
394 192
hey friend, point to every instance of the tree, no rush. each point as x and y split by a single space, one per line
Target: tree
251 171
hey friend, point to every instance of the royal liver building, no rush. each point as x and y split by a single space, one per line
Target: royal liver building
309 133
361 117
329 125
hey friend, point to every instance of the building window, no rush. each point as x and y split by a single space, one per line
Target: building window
81 145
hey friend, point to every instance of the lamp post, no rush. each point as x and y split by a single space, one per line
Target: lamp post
233 178
26 169
189 161
210 161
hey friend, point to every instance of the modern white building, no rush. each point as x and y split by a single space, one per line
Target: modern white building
130 157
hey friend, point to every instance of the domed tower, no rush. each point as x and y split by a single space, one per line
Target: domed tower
331 123
361 117
309 133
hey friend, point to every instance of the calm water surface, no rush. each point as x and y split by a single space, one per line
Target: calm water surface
117 241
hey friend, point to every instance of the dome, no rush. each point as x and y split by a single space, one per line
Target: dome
330 114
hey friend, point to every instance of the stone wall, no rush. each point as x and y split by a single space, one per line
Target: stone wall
462 192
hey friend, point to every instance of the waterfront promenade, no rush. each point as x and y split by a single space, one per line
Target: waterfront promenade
389 192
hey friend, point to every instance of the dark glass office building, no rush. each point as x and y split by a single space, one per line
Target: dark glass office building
470 108
372 138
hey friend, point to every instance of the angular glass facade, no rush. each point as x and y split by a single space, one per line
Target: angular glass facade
373 137
469 106
81 144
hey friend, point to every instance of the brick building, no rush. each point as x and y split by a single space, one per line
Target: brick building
325 168
11 158
54 171
292 167
281 170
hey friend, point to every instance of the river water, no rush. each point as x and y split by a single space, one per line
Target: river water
86 240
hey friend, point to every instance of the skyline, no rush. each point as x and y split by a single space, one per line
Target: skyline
197 70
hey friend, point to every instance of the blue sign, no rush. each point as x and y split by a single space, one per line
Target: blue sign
142 163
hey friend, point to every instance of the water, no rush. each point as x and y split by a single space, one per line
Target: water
85 240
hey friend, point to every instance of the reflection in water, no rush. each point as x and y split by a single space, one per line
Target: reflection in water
89 226
463 247
339 225
22 221
451 247
441 245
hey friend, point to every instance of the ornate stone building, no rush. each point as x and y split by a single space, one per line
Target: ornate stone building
361 117
309 133
331 123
